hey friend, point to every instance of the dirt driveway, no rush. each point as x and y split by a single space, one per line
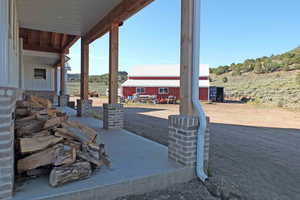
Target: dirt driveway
255 148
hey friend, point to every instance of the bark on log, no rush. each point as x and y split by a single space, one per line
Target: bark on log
65 155
87 157
30 127
22 112
34 144
65 174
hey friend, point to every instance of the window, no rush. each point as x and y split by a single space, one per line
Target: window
140 90
163 91
40 74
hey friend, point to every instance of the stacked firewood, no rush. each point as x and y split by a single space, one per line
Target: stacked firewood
48 143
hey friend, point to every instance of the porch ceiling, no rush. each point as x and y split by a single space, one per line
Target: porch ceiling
47 41
74 17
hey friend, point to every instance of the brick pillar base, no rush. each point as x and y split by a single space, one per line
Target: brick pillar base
113 116
7 108
63 100
183 132
84 107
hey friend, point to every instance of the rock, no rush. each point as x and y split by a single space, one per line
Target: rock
223 188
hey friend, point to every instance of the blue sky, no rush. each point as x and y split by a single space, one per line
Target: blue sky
231 31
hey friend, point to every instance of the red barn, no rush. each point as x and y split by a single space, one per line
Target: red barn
162 81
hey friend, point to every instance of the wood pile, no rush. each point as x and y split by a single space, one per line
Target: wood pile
48 143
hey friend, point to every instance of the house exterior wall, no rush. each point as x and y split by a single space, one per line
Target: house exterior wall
30 83
173 91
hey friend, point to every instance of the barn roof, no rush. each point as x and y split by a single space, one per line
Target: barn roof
170 70
159 83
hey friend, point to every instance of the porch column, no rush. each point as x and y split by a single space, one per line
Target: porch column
186 105
63 98
4 28
183 128
113 113
84 104
113 63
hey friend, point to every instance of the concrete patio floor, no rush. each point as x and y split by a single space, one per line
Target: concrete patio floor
138 166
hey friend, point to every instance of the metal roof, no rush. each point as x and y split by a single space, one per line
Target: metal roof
170 70
159 83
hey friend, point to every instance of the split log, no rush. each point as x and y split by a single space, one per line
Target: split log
87 157
30 127
89 132
25 119
41 101
65 174
73 144
39 171
75 133
67 134
65 155
55 121
23 104
22 112
43 158
34 144
42 133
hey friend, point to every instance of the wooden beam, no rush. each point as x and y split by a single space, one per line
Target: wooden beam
35 47
113 63
62 74
186 105
120 13
54 38
69 44
84 80
63 40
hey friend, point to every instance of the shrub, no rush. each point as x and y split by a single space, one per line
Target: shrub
225 79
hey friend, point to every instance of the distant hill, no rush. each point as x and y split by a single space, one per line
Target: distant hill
288 61
273 80
103 79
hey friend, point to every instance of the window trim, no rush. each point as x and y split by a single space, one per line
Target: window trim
159 92
35 77
136 90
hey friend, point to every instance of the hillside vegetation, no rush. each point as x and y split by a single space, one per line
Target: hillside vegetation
97 83
284 62
273 80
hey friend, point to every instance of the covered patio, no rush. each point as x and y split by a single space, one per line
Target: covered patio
138 165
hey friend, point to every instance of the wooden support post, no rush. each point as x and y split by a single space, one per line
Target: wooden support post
84 80
113 63
62 74
186 105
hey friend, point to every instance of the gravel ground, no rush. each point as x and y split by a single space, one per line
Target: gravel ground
188 191
263 162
